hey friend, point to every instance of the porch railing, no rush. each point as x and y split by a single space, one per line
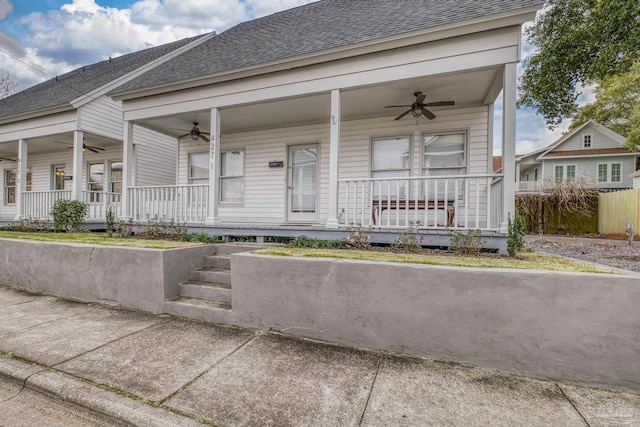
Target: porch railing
99 203
180 203
440 202
526 186
38 204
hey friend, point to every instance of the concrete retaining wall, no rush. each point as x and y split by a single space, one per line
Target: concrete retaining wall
131 277
576 327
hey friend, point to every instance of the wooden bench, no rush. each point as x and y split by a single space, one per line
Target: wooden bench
380 205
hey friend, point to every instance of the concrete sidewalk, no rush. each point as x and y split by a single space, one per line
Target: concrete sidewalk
133 368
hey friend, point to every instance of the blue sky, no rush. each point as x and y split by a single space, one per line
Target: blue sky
57 36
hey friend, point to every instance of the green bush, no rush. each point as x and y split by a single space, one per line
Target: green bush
470 243
515 234
409 240
306 242
68 214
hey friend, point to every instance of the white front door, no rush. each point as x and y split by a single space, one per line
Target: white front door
302 194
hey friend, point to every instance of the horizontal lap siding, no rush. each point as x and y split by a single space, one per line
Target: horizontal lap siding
588 167
102 116
155 156
265 188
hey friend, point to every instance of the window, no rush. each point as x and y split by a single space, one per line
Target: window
95 181
444 154
58 173
199 168
535 174
559 172
390 158
611 172
115 177
232 176
586 141
564 172
10 185
615 172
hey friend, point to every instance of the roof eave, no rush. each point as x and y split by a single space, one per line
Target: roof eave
510 18
63 108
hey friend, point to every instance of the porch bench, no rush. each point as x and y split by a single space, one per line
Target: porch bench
380 205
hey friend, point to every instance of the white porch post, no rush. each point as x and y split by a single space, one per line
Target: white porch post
517 176
509 143
127 166
214 168
334 151
21 179
78 140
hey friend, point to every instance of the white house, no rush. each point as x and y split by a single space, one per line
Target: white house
591 150
336 113
67 136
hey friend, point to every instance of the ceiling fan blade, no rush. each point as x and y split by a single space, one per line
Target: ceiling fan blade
420 98
397 106
7 160
204 138
428 114
403 114
439 104
93 150
185 135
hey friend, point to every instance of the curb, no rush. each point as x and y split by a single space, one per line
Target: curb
115 408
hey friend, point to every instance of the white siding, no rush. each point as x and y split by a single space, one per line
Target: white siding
588 167
265 188
598 140
155 157
102 116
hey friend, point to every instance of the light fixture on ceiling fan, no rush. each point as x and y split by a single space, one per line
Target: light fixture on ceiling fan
418 108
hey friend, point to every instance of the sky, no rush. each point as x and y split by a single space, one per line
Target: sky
56 36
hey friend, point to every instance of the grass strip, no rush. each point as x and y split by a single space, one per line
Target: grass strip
97 239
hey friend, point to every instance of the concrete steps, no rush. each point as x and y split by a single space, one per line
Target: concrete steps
208 311
212 275
217 292
218 261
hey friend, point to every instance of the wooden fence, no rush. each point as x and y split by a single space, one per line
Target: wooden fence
616 209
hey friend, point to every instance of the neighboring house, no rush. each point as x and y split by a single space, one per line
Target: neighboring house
68 136
591 150
290 127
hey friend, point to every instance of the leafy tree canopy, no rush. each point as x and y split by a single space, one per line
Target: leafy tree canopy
579 42
617 106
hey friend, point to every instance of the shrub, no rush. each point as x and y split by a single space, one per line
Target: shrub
410 240
358 238
515 234
158 228
29 226
306 242
470 243
68 214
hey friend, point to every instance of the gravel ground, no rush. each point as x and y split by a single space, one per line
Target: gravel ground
608 252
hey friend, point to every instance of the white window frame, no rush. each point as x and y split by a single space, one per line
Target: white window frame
426 170
110 182
191 179
408 170
224 177
609 174
565 170
6 187
96 196
53 176
584 140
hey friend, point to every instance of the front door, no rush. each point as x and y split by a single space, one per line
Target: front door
302 194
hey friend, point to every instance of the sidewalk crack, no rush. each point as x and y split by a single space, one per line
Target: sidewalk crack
373 383
572 404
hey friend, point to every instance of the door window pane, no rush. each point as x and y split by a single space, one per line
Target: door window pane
199 168
303 179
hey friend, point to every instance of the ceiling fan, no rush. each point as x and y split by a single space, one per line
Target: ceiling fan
85 147
7 159
196 134
418 108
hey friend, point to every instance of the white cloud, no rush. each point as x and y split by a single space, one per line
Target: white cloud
213 14
5 8
267 7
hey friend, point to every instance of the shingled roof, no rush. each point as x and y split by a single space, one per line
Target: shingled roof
314 28
60 91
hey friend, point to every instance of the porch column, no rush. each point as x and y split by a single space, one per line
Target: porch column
214 168
78 142
127 166
21 179
518 176
334 151
509 143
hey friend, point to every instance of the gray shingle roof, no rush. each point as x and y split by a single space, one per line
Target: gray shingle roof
60 91
312 28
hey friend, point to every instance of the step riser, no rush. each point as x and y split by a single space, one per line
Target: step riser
217 262
207 314
206 293
212 276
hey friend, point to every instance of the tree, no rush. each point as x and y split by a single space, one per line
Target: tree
617 106
579 43
8 85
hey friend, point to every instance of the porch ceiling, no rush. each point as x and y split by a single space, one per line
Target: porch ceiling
55 143
466 89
